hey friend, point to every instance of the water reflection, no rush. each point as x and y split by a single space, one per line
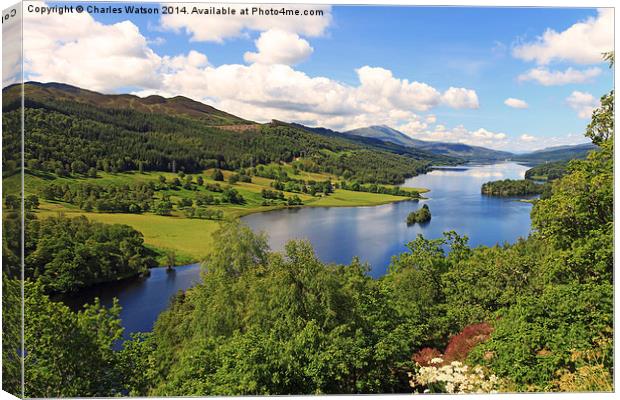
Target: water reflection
375 234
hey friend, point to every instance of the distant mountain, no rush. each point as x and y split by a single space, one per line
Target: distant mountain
458 150
383 145
385 133
557 153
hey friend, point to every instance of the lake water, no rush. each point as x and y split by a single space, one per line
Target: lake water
141 299
338 234
377 233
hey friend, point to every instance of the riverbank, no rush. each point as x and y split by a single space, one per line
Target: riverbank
191 238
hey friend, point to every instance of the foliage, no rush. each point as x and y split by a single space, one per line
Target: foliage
68 354
374 188
590 372
510 187
601 127
548 171
135 199
11 335
578 219
461 344
271 324
420 216
535 337
66 254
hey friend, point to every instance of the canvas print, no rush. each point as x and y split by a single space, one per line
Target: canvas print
207 199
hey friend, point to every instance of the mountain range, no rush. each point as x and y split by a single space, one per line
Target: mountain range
472 153
377 137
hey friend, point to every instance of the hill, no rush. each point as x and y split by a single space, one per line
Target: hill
557 153
385 133
71 130
41 93
458 150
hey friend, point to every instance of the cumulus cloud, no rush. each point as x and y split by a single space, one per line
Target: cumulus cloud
279 47
490 139
11 48
582 43
527 138
458 134
70 49
582 102
460 98
378 88
217 28
551 78
515 103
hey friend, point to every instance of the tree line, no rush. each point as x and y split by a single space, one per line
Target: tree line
512 187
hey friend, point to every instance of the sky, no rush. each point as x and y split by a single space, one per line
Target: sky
516 79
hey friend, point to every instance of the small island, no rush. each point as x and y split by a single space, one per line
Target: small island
512 187
420 216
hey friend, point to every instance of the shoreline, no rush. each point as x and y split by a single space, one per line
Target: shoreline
158 231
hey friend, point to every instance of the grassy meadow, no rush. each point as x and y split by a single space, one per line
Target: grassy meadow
190 238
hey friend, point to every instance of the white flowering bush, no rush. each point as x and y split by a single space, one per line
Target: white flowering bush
454 377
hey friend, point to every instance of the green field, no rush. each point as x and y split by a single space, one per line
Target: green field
191 239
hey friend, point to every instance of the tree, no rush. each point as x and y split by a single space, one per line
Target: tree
31 202
171 259
78 167
421 216
234 178
67 254
92 172
199 181
68 354
601 127
11 202
307 327
217 175
231 195
163 207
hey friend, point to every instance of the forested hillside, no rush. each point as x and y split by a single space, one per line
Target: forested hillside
553 154
70 131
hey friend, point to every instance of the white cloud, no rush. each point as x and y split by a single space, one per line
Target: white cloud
528 138
78 50
279 47
551 78
264 91
515 103
460 98
582 102
490 139
581 43
192 60
11 48
71 48
458 134
217 28
379 88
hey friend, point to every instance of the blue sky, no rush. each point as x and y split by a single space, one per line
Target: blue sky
355 66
